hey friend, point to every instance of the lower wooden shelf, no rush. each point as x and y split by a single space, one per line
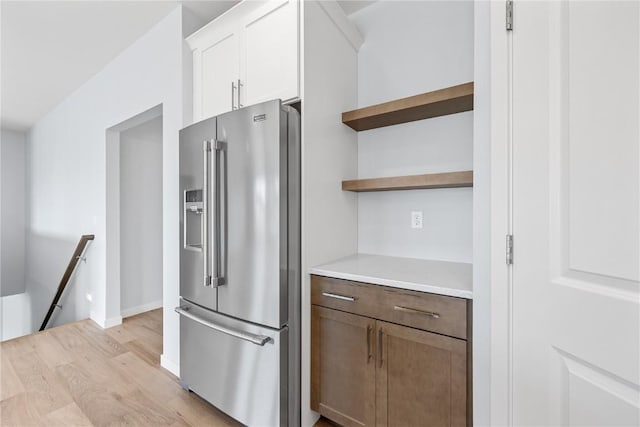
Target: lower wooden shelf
411 182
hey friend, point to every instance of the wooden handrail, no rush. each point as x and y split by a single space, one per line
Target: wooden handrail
77 255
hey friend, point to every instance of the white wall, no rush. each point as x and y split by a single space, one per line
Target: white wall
15 316
329 215
482 216
67 159
410 48
141 217
12 212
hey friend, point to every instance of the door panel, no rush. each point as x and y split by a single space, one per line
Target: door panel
243 379
271 53
192 158
576 218
255 259
220 68
421 378
343 366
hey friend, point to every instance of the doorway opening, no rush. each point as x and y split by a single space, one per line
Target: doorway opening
134 216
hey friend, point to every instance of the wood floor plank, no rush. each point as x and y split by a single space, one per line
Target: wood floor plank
100 340
19 345
70 415
20 410
143 333
146 377
144 411
51 350
41 383
10 384
91 361
143 351
68 337
100 405
121 334
196 412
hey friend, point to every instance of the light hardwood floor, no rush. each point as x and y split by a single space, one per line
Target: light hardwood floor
81 375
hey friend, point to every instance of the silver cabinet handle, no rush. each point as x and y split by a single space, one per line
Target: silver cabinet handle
380 349
206 147
260 340
340 297
414 311
239 99
369 355
233 95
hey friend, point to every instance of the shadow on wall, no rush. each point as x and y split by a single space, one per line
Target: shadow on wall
47 262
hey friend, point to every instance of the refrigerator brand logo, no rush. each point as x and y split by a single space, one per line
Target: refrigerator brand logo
259 117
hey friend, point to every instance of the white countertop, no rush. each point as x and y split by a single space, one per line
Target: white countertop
437 277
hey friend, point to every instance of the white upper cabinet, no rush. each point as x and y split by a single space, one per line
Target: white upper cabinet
247 55
216 70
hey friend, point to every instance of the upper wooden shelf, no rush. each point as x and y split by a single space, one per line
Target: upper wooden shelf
411 182
450 100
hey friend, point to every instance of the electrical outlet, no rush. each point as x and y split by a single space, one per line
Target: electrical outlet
416 219
89 297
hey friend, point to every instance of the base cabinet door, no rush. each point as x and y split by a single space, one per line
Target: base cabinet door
420 379
343 366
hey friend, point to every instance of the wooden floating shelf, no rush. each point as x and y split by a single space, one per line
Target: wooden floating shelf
411 182
450 100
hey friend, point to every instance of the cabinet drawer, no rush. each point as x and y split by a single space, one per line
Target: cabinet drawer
430 312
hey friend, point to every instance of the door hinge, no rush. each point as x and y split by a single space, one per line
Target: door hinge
509 16
509 252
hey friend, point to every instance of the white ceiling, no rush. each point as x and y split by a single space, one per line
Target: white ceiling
50 48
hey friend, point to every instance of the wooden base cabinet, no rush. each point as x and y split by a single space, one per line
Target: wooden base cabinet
343 367
368 372
421 378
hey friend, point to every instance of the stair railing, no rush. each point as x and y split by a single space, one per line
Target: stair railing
75 258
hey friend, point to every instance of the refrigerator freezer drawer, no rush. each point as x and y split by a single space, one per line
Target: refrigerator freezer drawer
238 367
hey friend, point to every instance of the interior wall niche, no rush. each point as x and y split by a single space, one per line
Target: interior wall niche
134 215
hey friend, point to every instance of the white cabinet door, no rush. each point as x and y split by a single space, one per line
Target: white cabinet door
216 71
248 55
269 60
576 218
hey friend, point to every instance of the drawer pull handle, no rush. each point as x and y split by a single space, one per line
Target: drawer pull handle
340 297
414 311
380 346
369 355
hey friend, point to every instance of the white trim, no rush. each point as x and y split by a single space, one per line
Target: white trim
108 323
500 305
342 22
132 311
170 365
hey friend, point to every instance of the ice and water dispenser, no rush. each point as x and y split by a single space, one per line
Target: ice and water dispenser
193 219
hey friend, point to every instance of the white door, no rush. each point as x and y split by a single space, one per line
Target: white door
576 213
270 54
217 70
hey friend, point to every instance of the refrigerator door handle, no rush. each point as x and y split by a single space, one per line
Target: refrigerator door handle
206 148
260 340
220 200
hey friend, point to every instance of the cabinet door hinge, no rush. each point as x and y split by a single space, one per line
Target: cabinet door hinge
509 16
509 252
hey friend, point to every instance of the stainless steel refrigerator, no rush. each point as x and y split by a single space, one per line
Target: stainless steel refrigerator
240 263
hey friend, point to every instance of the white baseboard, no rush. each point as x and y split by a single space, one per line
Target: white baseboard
108 323
170 365
132 311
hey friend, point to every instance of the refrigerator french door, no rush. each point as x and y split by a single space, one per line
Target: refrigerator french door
240 261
